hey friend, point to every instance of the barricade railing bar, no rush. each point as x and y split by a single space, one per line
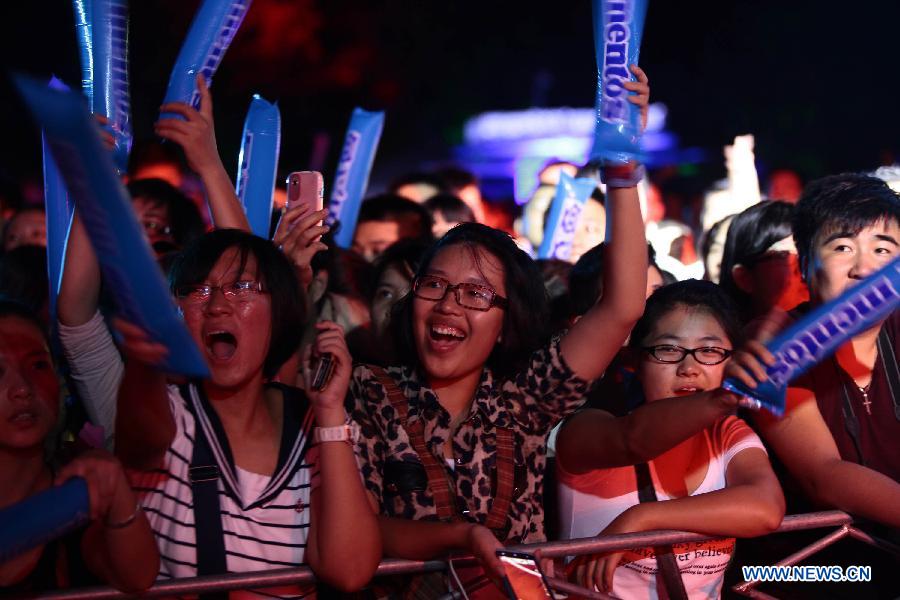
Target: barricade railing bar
592 545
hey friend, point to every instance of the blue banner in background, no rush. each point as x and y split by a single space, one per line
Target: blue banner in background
564 215
58 211
822 331
126 260
211 32
43 517
618 25
352 175
101 27
258 163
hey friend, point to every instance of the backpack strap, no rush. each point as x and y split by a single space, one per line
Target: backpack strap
204 477
438 483
506 475
665 558
891 370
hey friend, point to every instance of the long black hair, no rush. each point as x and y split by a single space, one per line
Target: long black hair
526 318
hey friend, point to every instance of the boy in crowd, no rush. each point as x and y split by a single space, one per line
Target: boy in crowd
840 437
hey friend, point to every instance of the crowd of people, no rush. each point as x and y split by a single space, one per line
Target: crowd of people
478 398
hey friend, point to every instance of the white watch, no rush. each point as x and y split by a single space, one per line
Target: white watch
342 433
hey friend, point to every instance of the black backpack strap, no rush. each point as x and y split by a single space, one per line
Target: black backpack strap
665 558
204 477
851 421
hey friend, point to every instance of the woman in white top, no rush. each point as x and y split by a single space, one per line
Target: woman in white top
707 468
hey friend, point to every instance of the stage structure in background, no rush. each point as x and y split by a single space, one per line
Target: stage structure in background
258 163
507 149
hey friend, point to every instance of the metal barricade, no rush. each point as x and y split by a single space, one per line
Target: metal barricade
593 545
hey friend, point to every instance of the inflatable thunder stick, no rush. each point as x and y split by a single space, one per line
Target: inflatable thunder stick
59 211
102 30
819 333
564 215
258 162
617 41
211 32
128 264
353 170
43 517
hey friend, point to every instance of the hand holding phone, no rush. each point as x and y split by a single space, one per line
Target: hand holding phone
306 188
322 368
524 579
299 232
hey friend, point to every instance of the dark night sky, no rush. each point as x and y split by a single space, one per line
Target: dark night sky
817 82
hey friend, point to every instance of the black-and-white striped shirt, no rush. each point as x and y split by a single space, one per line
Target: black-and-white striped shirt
265 520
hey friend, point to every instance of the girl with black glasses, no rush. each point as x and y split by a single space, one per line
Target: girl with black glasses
687 448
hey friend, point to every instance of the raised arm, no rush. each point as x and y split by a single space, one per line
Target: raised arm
196 134
595 439
595 339
144 424
344 527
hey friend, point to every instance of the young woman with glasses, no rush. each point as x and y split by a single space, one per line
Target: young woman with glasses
273 464
454 437
708 465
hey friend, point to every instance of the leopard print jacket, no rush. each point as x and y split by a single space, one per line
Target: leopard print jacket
530 404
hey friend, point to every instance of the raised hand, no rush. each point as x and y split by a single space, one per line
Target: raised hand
641 96
196 134
137 345
328 403
748 364
299 236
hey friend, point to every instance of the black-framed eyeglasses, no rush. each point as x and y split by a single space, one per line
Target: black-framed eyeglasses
468 295
236 290
705 355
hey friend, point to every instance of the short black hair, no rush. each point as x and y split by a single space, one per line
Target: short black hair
451 207
847 202
586 278
526 318
750 234
275 272
406 254
691 293
391 207
184 218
